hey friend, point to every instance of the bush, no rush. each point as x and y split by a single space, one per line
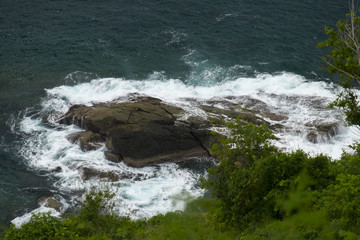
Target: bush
259 193
96 220
40 226
253 174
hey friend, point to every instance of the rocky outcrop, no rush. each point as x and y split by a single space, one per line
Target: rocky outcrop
139 133
147 131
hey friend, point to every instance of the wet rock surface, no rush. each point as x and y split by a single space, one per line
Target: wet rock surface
49 201
145 131
87 140
322 132
57 169
115 158
113 176
139 133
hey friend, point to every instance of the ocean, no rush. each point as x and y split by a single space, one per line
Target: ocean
56 53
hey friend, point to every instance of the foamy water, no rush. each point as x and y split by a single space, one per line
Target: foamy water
158 189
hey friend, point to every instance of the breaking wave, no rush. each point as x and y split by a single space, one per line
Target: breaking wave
144 192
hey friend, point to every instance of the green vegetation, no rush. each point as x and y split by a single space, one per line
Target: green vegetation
251 181
268 194
96 220
258 192
344 59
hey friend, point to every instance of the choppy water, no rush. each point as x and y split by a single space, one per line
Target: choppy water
57 53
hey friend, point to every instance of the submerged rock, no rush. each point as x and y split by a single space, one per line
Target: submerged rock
312 137
322 132
328 129
57 169
113 176
50 202
88 173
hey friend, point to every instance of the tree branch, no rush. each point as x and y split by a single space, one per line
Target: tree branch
355 77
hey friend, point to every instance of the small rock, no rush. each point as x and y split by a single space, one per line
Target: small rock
87 140
112 157
274 117
276 127
312 137
323 132
57 169
49 202
88 173
329 129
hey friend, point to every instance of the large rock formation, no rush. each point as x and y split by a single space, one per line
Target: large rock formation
146 131
139 133
143 130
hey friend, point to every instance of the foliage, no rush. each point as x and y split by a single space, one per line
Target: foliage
94 221
179 225
97 221
258 192
335 214
341 200
253 174
40 226
344 59
348 101
277 195
96 213
231 181
300 222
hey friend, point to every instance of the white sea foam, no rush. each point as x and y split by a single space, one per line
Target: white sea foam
26 217
42 209
172 90
150 190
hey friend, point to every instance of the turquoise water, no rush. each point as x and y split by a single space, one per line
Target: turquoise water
46 44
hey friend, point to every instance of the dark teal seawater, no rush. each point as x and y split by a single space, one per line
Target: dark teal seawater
43 41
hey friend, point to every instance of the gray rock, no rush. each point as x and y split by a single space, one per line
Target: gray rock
322 132
113 176
88 173
328 129
112 157
87 140
147 131
312 137
151 143
50 202
57 169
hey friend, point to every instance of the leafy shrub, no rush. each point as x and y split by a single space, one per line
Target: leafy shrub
40 226
341 200
259 193
253 174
